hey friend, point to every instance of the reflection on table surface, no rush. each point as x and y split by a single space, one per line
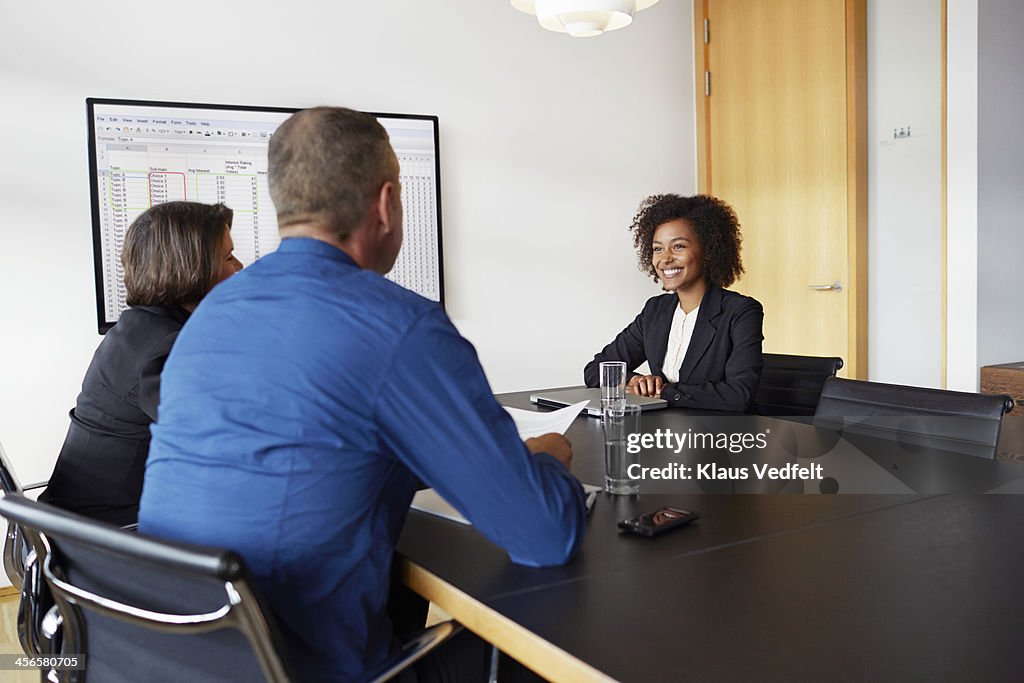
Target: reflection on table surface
850 462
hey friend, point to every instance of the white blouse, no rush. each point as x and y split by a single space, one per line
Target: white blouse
678 341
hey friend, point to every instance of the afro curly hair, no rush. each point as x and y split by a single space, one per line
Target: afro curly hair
713 220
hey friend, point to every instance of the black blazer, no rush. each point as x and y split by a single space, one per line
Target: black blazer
99 470
722 366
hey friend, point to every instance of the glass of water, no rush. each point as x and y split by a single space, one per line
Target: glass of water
613 384
619 423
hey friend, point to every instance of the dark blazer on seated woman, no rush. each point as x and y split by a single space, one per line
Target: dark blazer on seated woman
100 468
722 365
691 245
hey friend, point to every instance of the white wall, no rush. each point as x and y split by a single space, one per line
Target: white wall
548 144
962 195
1000 182
905 192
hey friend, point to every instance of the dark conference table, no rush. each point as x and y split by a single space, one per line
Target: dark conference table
918 582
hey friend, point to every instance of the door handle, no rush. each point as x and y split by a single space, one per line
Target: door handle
836 286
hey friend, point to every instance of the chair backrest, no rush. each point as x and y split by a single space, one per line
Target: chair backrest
8 479
145 609
954 421
791 385
15 546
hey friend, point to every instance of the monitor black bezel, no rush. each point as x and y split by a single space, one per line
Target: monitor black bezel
97 244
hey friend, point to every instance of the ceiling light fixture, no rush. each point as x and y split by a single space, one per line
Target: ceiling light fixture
582 18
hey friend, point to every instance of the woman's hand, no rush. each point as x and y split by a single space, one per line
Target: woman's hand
645 385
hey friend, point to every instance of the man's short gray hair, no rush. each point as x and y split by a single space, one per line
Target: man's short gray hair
326 165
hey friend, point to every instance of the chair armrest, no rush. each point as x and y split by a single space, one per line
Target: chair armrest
414 649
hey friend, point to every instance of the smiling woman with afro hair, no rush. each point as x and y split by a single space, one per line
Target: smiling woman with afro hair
701 341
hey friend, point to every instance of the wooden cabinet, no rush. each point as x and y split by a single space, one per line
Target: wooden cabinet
1005 379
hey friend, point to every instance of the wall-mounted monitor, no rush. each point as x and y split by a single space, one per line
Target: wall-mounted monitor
144 153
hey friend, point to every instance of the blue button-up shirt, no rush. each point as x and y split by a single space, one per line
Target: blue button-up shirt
301 405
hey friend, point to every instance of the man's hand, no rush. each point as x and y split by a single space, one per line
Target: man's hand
645 385
554 445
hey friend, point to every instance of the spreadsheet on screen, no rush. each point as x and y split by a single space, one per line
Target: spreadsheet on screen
146 154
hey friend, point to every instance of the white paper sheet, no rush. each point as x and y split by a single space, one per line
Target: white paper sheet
429 500
529 424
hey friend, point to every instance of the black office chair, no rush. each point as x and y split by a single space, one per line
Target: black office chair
791 385
145 609
23 571
953 421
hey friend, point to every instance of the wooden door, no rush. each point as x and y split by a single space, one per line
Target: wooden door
782 134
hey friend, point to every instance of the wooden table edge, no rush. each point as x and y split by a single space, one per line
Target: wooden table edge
520 643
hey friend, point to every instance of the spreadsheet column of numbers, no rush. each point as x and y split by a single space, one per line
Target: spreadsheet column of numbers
417 264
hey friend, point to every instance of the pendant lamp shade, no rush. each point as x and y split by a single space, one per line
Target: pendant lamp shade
582 18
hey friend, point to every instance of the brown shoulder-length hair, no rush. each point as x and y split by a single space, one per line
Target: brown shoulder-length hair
171 253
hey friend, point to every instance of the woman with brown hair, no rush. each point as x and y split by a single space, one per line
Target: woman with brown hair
173 255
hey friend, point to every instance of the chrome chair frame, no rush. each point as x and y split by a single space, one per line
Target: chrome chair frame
23 571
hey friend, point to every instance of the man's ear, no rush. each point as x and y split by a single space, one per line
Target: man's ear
385 207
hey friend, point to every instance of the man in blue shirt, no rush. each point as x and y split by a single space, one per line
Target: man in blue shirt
308 397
